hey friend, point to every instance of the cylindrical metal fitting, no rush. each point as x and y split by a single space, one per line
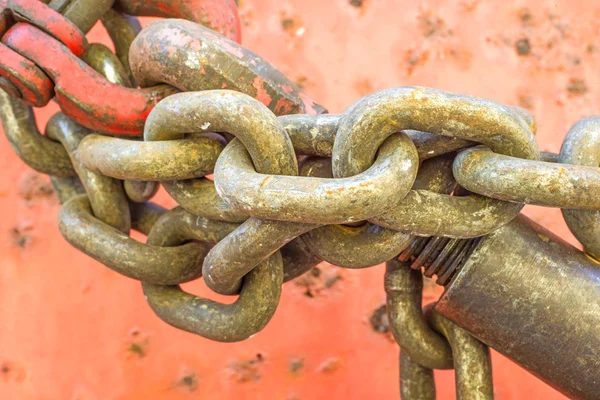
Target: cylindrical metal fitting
531 296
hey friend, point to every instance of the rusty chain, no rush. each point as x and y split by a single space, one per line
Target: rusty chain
293 185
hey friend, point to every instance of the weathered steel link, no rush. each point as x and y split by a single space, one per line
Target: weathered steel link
66 187
82 13
314 200
178 226
192 157
192 58
404 287
271 151
250 313
370 120
472 363
36 150
526 181
315 134
106 195
122 30
200 197
140 191
416 381
145 215
582 147
370 244
119 252
238 253
228 111
356 246
297 259
426 213
105 62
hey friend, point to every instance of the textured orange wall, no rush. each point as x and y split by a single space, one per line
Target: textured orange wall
72 329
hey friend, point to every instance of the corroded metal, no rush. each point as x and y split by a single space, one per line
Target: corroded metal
36 150
472 362
140 191
250 313
297 259
422 344
416 381
228 111
178 226
534 298
526 181
105 62
106 195
122 29
192 58
82 13
316 200
192 157
237 254
315 134
582 147
200 197
119 252
368 122
369 244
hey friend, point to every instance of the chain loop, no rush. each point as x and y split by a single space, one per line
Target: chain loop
582 147
106 195
250 313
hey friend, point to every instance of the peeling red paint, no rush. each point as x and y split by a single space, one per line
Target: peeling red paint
83 94
261 93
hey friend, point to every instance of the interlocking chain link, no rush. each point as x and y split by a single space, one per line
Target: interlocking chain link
293 185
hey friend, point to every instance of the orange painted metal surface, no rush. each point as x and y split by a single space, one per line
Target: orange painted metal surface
72 329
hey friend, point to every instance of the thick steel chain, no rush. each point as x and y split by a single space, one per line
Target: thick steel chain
292 185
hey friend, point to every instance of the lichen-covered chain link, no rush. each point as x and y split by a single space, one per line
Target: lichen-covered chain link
293 185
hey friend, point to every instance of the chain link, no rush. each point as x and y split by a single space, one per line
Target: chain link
293 185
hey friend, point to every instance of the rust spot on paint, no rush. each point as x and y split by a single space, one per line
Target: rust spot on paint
11 371
523 47
577 87
379 320
318 280
432 25
138 346
261 92
248 370
189 381
21 236
35 186
525 16
415 58
295 365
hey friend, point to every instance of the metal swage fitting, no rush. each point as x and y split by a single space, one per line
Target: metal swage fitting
416 177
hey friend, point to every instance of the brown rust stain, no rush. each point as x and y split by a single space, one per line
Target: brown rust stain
577 87
318 279
247 370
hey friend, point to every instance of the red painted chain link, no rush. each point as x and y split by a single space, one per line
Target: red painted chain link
39 60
